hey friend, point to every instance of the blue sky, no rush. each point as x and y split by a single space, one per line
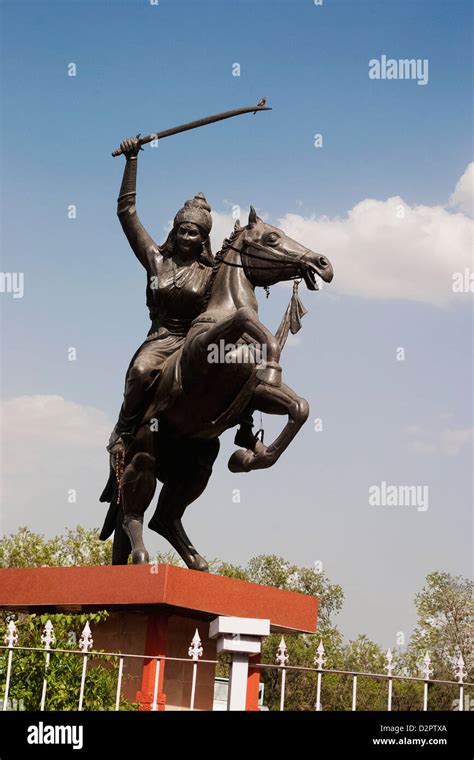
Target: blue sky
142 68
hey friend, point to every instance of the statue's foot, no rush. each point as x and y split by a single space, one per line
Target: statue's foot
174 533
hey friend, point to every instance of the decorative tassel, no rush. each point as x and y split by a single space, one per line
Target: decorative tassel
297 310
292 317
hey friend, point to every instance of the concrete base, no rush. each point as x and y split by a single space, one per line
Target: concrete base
155 610
156 632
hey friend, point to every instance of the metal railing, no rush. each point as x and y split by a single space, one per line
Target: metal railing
282 665
195 653
86 652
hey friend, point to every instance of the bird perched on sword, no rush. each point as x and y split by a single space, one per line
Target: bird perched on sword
260 104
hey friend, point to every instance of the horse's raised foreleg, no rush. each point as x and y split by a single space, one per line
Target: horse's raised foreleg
245 321
282 400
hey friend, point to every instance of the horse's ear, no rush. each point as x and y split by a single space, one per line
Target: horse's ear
237 225
252 216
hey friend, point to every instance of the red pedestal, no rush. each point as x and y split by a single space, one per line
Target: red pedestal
155 610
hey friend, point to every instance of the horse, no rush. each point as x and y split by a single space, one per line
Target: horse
197 399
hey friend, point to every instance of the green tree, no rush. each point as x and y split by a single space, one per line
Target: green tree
76 547
444 629
64 671
444 608
444 626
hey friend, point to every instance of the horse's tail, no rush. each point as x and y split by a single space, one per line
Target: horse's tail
113 522
110 489
109 494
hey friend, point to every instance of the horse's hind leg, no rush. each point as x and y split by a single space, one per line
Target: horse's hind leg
137 486
187 481
272 400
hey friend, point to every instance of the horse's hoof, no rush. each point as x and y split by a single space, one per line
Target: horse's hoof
140 557
198 563
240 461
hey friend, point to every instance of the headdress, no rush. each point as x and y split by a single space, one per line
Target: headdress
196 211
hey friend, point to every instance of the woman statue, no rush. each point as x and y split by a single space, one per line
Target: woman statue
178 278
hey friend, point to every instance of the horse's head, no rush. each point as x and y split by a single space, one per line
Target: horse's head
270 256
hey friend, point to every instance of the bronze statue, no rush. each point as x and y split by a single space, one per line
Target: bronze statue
177 400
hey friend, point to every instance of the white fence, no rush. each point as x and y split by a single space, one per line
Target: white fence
195 652
283 665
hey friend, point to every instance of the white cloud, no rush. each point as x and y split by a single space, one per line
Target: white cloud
53 420
386 249
420 447
463 196
448 442
452 441
377 254
50 446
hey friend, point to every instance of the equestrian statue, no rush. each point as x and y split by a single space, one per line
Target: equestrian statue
178 397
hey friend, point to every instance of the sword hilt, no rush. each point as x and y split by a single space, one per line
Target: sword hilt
141 142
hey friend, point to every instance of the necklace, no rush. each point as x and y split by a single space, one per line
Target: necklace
179 278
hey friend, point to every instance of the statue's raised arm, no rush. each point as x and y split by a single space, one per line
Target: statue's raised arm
142 244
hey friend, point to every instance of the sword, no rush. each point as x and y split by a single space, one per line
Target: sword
198 123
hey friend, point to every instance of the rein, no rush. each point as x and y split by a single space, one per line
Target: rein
277 265
291 321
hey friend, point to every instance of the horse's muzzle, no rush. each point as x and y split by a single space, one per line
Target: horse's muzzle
315 264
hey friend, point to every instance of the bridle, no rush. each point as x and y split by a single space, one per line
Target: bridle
270 265
220 259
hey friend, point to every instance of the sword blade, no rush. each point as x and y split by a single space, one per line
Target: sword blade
195 124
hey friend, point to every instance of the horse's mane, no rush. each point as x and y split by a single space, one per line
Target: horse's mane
227 242
218 258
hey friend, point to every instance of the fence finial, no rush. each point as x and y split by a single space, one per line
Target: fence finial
426 669
389 666
48 637
282 653
195 650
459 672
86 641
11 636
320 659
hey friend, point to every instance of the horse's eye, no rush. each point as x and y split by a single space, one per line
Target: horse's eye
272 239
